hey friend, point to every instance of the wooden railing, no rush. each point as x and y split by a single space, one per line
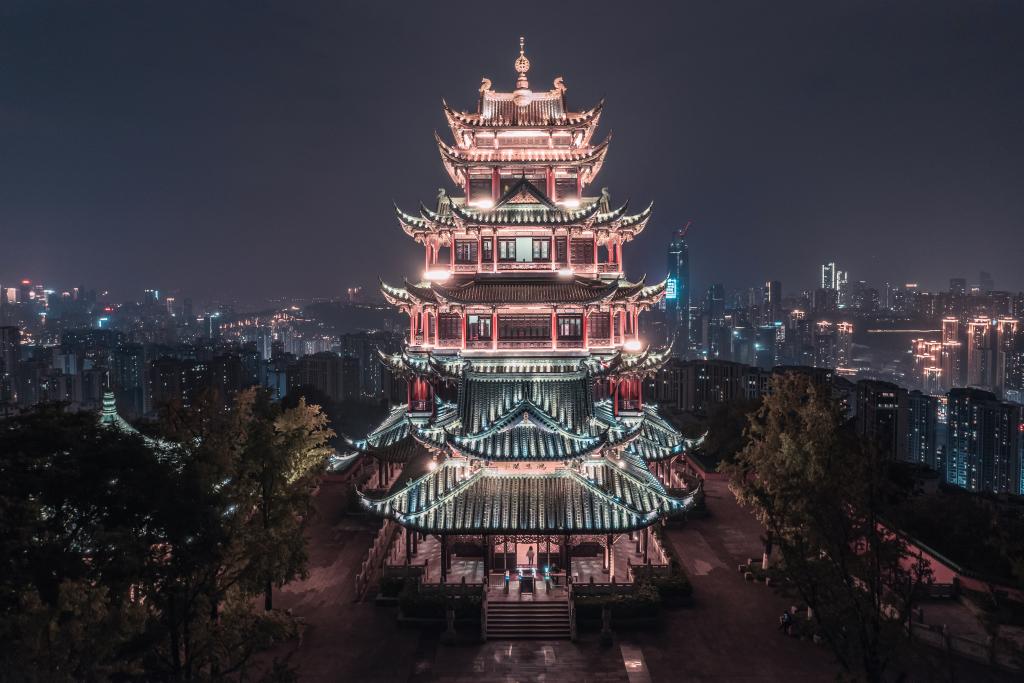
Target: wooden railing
479 344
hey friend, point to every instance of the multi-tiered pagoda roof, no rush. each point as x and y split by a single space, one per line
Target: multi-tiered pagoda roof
524 314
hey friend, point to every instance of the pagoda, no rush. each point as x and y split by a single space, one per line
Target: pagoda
524 318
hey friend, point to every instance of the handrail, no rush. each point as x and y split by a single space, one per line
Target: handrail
572 612
483 615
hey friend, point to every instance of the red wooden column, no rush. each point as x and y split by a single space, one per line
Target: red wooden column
553 249
495 185
467 189
413 314
586 340
550 183
451 254
494 329
479 252
595 254
465 321
426 258
494 253
554 329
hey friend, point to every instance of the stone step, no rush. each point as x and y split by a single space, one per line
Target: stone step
522 620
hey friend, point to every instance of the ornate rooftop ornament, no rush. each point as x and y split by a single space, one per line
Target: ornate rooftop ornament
522 93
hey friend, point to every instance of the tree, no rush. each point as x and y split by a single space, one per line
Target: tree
284 452
823 499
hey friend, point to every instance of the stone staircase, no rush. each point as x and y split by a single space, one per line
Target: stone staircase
548 620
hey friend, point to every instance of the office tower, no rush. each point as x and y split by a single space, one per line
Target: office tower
882 417
985 282
983 449
771 302
842 288
828 276
922 428
958 286
697 386
825 345
980 353
825 301
677 292
844 345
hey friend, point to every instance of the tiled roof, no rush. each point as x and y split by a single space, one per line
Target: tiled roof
561 500
528 433
524 155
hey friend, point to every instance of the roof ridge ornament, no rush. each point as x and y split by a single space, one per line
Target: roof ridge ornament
522 94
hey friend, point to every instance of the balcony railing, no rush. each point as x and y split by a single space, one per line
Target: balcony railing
524 344
600 341
570 343
530 265
419 406
608 267
479 344
449 343
465 267
629 405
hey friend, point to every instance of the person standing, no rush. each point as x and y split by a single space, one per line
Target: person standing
529 558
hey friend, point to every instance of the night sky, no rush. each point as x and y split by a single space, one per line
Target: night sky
253 149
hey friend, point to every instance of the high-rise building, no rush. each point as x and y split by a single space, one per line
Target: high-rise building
958 286
677 292
10 354
771 302
525 321
882 417
828 276
985 282
922 428
983 442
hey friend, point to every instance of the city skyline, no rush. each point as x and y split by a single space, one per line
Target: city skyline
236 155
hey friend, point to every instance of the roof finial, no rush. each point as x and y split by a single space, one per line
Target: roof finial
522 65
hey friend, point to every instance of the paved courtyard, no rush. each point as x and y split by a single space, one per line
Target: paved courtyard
728 635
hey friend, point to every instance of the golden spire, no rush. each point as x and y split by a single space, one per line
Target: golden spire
522 66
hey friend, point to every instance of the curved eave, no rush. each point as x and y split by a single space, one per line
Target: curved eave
513 217
587 121
457 158
631 226
396 296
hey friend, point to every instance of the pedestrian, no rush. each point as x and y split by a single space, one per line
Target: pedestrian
529 557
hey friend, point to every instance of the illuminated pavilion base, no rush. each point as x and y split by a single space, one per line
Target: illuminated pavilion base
590 562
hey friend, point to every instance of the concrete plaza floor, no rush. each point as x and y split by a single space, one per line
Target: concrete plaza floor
728 635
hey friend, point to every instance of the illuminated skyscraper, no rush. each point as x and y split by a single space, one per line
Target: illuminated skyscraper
677 293
983 449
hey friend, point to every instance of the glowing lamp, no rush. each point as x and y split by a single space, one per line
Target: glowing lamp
565 272
437 275
483 203
432 465
632 345
571 203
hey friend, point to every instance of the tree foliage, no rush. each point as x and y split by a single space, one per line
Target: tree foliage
125 558
823 498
